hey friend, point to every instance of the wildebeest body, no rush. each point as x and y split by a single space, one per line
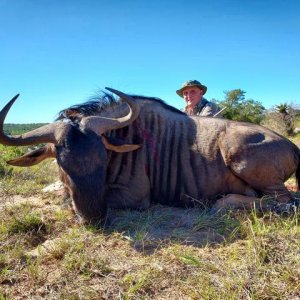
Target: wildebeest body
198 157
181 159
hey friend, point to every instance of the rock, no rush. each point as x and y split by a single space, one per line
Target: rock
297 130
56 186
46 247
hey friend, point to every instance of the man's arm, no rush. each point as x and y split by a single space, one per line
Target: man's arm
209 110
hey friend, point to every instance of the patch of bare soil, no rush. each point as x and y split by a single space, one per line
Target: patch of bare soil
7 201
160 223
146 229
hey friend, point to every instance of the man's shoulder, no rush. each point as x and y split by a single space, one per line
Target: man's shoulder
209 108
212 104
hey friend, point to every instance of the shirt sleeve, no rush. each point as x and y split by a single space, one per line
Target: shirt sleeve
209 110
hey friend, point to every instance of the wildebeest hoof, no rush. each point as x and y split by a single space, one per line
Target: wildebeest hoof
286 208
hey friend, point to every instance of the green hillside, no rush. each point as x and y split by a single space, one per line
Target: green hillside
13 129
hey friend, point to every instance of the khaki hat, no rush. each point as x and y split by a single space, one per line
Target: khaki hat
191 83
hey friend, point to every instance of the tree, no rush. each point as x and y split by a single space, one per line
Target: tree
240 109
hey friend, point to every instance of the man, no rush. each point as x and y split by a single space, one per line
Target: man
192 91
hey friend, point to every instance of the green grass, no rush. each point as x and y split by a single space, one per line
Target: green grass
23 181
258 257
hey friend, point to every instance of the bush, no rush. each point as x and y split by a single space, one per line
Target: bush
281 118
240 109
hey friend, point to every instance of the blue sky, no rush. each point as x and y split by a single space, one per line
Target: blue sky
59 53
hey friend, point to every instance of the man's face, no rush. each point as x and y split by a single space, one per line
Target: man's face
192 95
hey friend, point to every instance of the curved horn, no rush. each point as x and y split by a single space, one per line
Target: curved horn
101 124
46 134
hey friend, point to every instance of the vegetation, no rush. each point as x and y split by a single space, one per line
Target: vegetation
240 109
45 253
21 128
282 118
24 180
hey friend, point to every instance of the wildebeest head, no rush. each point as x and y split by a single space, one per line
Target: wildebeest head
80 150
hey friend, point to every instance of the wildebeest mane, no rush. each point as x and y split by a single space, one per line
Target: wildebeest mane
162 102
95 105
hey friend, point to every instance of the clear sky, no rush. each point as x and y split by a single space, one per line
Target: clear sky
59 53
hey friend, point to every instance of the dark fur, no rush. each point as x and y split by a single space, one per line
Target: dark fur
98 104
181 158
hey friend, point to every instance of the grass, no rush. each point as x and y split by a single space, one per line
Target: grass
258 256
161 253
296 139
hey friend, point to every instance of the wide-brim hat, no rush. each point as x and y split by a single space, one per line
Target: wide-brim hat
191 83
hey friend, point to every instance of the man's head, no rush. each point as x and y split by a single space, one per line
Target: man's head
192 92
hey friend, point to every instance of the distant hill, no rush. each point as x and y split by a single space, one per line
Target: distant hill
13 129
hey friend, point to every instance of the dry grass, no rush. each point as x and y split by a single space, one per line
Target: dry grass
161 253
156 254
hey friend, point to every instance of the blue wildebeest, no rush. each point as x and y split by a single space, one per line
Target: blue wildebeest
128 153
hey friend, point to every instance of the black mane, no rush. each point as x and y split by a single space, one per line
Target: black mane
162 102
99 103
91 107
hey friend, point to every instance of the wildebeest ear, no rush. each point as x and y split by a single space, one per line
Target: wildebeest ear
34 157
120 146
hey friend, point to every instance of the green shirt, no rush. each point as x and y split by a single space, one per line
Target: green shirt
205 108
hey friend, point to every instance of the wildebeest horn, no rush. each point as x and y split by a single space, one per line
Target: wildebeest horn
101 124
46 134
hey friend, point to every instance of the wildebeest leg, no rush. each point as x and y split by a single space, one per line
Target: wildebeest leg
261 159
235 201
264 174
239 186
279 192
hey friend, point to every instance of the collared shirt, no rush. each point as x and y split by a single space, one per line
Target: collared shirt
205 108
